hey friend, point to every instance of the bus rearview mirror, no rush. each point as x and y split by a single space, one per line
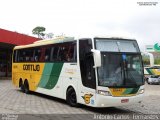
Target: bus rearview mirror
97 58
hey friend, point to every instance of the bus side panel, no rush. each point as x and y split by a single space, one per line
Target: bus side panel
31 72
70 73
62 76
87 96
16 74
51 81
72 77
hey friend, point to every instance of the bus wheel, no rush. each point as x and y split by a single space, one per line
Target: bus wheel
71 97
21 86
26 87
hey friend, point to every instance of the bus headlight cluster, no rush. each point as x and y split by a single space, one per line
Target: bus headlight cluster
141 91
105 93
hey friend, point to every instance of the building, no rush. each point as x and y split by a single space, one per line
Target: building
153 49
8 40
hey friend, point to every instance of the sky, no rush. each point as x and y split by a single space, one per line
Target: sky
84 18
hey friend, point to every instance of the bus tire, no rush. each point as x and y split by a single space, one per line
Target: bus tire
26 87
21 85
71 97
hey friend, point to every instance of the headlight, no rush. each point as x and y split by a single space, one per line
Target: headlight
105 93
141 91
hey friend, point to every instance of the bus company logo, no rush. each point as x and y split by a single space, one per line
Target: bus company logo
86 98
31 67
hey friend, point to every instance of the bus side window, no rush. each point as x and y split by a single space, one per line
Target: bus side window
42 54
72 53
37 55
15 57
23 56
61 53
75 52
29 54
54 53
20 56
67 52
64 54
47 54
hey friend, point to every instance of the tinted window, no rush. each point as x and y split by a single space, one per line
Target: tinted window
65 52
87 63
15 55
47 53
24 55
61 52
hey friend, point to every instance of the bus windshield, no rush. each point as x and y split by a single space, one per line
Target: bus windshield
121 63
120 70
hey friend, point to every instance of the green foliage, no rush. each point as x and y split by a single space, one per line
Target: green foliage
146 60
39 31
157 61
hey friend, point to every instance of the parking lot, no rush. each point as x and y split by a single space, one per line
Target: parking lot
13 101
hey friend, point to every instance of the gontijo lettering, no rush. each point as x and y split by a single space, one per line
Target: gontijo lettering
31 67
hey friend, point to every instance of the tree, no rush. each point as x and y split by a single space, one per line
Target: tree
39 31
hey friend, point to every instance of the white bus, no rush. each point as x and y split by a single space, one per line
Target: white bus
97 72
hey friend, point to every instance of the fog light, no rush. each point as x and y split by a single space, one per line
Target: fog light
105 93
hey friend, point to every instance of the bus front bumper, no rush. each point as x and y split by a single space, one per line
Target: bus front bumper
110 101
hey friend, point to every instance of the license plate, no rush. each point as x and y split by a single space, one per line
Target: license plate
124 100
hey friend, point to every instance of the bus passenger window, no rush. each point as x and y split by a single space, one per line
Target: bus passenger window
23 58
69 52
47 54
61 53
26 55
73 52
15 56
37 55
65 52
54 53
68 57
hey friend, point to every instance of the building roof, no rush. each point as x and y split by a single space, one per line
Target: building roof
16 38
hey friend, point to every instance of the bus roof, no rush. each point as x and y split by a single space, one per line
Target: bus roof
46 42
63 39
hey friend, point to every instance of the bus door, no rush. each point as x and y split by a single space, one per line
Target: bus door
87 91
